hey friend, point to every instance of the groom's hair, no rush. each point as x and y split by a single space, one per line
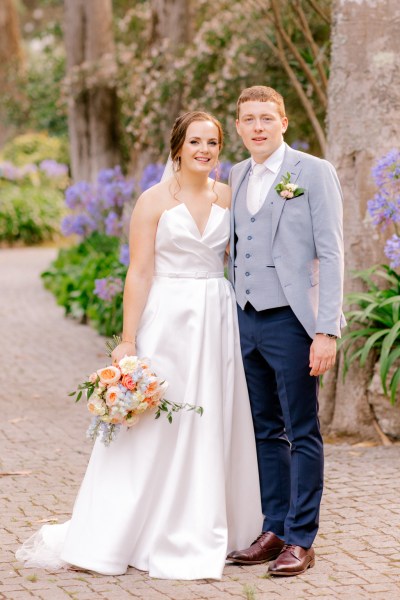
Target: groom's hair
261 93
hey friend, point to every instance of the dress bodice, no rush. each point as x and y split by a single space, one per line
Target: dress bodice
181 248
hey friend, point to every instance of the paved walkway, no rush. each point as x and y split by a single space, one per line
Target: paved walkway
44 452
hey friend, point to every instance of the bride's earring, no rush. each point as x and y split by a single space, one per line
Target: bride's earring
177 164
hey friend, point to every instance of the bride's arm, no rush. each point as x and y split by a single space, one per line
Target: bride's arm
138 280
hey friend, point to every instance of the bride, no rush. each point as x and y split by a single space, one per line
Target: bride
173 499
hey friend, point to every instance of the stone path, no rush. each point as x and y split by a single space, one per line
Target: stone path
42 441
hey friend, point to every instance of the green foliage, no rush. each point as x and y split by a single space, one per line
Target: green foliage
29 214
32 148
33 97
374 325
71 278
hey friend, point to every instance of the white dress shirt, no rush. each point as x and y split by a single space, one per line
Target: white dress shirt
261 178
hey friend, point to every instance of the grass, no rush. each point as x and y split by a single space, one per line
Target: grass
249 592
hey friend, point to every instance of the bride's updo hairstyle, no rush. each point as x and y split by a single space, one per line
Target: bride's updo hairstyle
179 129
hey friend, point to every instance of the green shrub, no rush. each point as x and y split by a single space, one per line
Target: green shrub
72 276
29 214
32 148
374 325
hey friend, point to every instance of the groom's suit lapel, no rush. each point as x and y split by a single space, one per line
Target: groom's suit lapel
292 164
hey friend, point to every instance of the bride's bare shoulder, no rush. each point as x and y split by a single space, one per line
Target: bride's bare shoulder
224 194
154 200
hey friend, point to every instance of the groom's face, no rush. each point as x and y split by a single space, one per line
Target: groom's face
261 128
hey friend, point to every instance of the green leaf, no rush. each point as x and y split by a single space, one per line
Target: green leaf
385 365
390 340
369 345
394 385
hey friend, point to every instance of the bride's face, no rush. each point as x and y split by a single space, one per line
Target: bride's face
200 150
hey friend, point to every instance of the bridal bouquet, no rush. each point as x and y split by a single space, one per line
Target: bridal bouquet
118 395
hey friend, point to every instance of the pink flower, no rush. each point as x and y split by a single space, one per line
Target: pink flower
128 382
93 378
285 194
109 375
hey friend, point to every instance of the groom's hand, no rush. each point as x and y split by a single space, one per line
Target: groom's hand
322 354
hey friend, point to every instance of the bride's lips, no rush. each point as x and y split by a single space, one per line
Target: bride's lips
202 159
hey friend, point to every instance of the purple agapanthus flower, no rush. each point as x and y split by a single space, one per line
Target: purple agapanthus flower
392 251
124 255
102 203
151 175
76 195
113 225
223 171
9 171
81 224
108 287
53 169
384 208
300 145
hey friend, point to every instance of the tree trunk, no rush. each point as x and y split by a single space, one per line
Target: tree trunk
10 54
170 20
363 114
93 108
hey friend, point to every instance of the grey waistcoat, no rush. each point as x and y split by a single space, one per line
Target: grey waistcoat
256 280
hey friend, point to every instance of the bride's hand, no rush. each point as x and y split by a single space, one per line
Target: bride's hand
123 349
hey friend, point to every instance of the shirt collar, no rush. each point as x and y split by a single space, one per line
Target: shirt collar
273 162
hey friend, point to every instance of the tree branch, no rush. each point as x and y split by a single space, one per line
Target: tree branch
315 50
280 30
279 52
319 11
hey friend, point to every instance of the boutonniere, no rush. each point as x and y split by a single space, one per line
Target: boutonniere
288 190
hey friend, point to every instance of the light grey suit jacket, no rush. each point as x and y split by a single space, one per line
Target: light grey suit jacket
307 239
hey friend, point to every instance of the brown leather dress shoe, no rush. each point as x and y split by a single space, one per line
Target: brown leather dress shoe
293 560
266 547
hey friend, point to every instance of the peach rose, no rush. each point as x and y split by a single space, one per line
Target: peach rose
96 407
112 395
109 375
128 382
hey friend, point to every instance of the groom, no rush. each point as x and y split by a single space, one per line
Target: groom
286 265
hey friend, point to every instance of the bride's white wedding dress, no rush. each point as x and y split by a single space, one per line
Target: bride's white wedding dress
173 499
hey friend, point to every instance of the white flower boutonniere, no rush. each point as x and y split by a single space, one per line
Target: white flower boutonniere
288 190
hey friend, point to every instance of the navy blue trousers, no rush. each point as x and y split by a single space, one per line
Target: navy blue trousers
284 405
